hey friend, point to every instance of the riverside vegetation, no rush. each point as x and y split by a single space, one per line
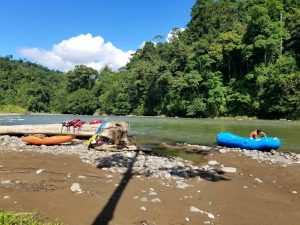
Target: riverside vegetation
234 58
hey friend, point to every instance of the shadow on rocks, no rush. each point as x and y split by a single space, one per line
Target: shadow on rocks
188 172
160 170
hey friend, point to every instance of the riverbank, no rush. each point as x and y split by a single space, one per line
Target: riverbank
77 186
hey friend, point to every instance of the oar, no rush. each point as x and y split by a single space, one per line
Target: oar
96 134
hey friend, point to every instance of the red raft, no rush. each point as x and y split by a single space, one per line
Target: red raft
53 140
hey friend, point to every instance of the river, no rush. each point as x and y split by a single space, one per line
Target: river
149 131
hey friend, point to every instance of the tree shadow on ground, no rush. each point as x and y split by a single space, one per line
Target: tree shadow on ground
107 212
119 160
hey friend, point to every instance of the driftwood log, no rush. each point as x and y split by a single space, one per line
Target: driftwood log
86 130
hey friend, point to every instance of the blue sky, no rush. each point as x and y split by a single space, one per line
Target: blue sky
31 28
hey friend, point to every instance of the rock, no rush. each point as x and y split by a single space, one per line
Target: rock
76 188
181 185
210 215
143 208
228 169
194 209
6 197
294 192
213 163
155 200
222 150
6 182
258 180
39 171
144 199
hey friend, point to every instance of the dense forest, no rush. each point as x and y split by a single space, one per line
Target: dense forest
236 57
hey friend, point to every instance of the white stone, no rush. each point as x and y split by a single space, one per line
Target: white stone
6 197
39 171
81 177
194 209
6 182
144 199
152 193
187 219
143 208
229 169
181 185
76 188
222 150
212 162
155 200
258 180
210 215
294 192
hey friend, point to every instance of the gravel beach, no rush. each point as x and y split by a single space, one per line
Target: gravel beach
74 185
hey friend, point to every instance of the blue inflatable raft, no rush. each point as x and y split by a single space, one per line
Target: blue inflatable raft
234 141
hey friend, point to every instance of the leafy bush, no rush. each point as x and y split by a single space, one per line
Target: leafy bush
7 218
12 109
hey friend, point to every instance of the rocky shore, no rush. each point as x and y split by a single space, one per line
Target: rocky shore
149 163
233 186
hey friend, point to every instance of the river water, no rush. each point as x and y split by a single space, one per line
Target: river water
149 131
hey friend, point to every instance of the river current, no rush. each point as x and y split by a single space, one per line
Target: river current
149 131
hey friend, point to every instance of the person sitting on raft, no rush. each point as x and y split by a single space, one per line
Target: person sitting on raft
254 134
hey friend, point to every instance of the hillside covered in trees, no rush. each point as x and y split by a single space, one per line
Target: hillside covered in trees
236 57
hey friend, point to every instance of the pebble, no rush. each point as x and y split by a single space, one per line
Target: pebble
143 208
39 171
213 163
294 192
144 199
258 180
6 197
229 169
155 200
222 150
6 182
187 219
76 188
194 209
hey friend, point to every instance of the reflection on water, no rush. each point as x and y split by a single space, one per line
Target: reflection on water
197 159
156 147
179 130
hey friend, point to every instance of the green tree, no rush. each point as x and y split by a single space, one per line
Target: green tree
81 77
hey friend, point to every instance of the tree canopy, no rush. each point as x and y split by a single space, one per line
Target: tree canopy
236 57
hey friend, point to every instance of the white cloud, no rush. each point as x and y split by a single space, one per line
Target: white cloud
82 49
